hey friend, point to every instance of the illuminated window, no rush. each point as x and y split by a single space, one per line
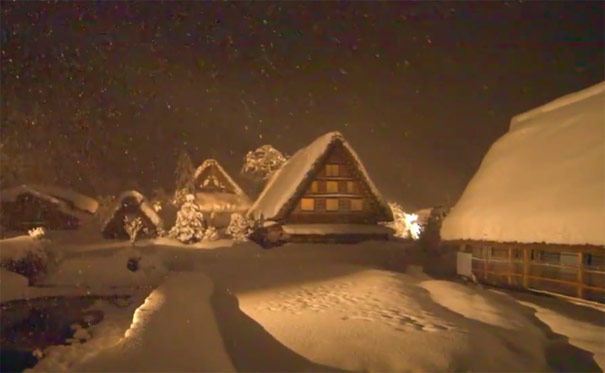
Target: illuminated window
332 204
314 187
307 204
332 170
332 186
356 204
350 187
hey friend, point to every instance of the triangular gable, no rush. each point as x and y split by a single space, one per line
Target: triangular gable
212 163
138 201
288 184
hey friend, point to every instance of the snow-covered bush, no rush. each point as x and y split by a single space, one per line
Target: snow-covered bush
157 206
24 255
210 234
261 163
37 233
132 226
239 227
190 223
405 225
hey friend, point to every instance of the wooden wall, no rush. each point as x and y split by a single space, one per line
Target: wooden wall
350 189
577 271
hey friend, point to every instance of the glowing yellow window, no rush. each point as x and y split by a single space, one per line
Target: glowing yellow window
332 186
331 204
332 170
307 204
314 187
356 204
350 187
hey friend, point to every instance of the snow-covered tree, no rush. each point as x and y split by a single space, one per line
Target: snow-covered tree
37 233
132 226
261 163
405 225
190 223
239 227
210 234
184 177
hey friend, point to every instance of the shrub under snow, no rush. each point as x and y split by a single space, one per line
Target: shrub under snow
239 227
24 255
37 233
405 225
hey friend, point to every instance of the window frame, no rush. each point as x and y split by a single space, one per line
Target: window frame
328 200
302 204
354 201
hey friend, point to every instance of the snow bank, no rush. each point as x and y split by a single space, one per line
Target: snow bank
362 319
20 247
543 181
288 181
173 331
103 270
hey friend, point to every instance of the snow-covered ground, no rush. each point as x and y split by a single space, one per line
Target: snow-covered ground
303 307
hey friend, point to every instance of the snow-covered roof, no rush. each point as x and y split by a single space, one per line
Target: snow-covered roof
222 202
52 194
289 181
142 203
543 181
323 229
213 162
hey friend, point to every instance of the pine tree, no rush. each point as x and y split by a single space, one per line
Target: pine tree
261 163
190 223
184 177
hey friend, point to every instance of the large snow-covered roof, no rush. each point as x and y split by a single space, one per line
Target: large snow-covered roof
223 202
142 203
213 162
543 181
287 183
52 194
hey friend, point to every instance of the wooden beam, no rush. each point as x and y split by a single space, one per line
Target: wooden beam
580 275
509 278
525 267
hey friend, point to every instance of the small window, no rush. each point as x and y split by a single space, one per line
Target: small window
331 204
314 187
356 204
332 186
350 187
307 204
332 170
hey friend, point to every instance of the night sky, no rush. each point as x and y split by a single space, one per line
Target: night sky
101 96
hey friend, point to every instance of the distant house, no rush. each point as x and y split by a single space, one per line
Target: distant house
28 206
218 194
533 215
323 194
134 205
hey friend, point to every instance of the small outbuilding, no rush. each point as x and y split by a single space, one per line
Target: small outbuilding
533 216
132 204
217 194
28 206
323 193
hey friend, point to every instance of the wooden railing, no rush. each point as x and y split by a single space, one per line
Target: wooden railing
528 268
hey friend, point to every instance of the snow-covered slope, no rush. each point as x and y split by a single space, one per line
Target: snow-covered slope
543 181
53 193
285 184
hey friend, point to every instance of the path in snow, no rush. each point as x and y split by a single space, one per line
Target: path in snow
173 331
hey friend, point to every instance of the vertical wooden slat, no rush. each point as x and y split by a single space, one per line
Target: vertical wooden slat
525 267
509 277
580 275
485 259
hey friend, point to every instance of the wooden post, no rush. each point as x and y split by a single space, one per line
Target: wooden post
485 249
581 275
509 278
525 267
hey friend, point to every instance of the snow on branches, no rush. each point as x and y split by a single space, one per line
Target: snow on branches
239 227
405 225
132 226
261 163
190 224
